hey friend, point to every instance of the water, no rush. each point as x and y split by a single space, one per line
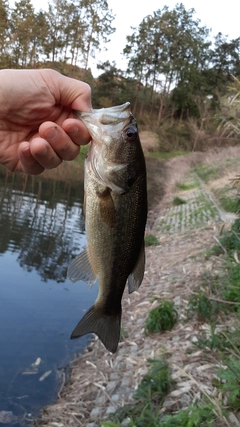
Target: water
41 230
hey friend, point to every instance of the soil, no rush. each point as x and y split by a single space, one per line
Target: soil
100 382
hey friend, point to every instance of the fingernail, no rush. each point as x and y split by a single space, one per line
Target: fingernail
51 134
73 131
43 152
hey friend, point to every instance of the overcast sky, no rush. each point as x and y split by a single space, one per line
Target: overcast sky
221 16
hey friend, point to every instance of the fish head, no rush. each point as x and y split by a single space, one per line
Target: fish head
115 153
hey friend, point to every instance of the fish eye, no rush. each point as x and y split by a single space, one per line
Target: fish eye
131 133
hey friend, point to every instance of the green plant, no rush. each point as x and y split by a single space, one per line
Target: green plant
148 397
228 198
151 240
197 415
184 187
207 172
215 250
230 377
178 201
83 153
156 383
201 306
123 334
161 318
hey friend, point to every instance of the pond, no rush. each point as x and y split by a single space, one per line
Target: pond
41 230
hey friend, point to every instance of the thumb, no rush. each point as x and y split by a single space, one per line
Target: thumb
74 93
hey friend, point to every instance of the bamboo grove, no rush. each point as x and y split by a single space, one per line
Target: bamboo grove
177 69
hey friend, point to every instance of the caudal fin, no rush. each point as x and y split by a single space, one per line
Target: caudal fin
107 328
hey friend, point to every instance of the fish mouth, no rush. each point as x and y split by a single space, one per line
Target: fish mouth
105 116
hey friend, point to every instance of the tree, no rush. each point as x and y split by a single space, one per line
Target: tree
56 23
4 25
22 32
4 34
167 47
99 19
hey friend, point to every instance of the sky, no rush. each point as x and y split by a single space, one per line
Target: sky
221 16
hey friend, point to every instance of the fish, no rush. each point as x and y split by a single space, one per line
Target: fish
115 210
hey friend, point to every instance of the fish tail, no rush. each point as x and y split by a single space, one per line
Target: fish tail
106 327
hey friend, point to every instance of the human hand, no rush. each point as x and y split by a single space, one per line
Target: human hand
37 127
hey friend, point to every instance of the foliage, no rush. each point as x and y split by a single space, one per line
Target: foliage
230 245
149 397
178 201
230 376
230 122
151 240
229 199
201 306
207 172
67 31
161 318
184 187
197 415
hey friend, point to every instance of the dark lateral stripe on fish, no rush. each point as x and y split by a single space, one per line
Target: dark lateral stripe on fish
107 328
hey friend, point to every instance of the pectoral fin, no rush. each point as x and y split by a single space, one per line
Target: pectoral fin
80 269
135 279
106 207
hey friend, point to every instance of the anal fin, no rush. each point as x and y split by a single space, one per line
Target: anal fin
136 277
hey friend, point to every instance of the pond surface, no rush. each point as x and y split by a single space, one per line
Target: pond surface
41 230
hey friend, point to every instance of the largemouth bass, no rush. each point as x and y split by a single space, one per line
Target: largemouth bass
115 217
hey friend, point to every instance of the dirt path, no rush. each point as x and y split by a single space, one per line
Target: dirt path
100 382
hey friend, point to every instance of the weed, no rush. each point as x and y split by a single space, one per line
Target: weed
230 377
149 397
161 318
226 342
184 187
229 199
231 285
194 416
207 172
215 250
151 240
201 306
83 153
156 383
178 201
123 334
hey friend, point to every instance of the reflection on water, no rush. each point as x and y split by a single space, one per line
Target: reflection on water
41 229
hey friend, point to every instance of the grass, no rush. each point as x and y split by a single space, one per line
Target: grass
148 397
151 240
229 199
161 318
202 307
185 187
207 172
230 382
148 401
178 201
82 155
